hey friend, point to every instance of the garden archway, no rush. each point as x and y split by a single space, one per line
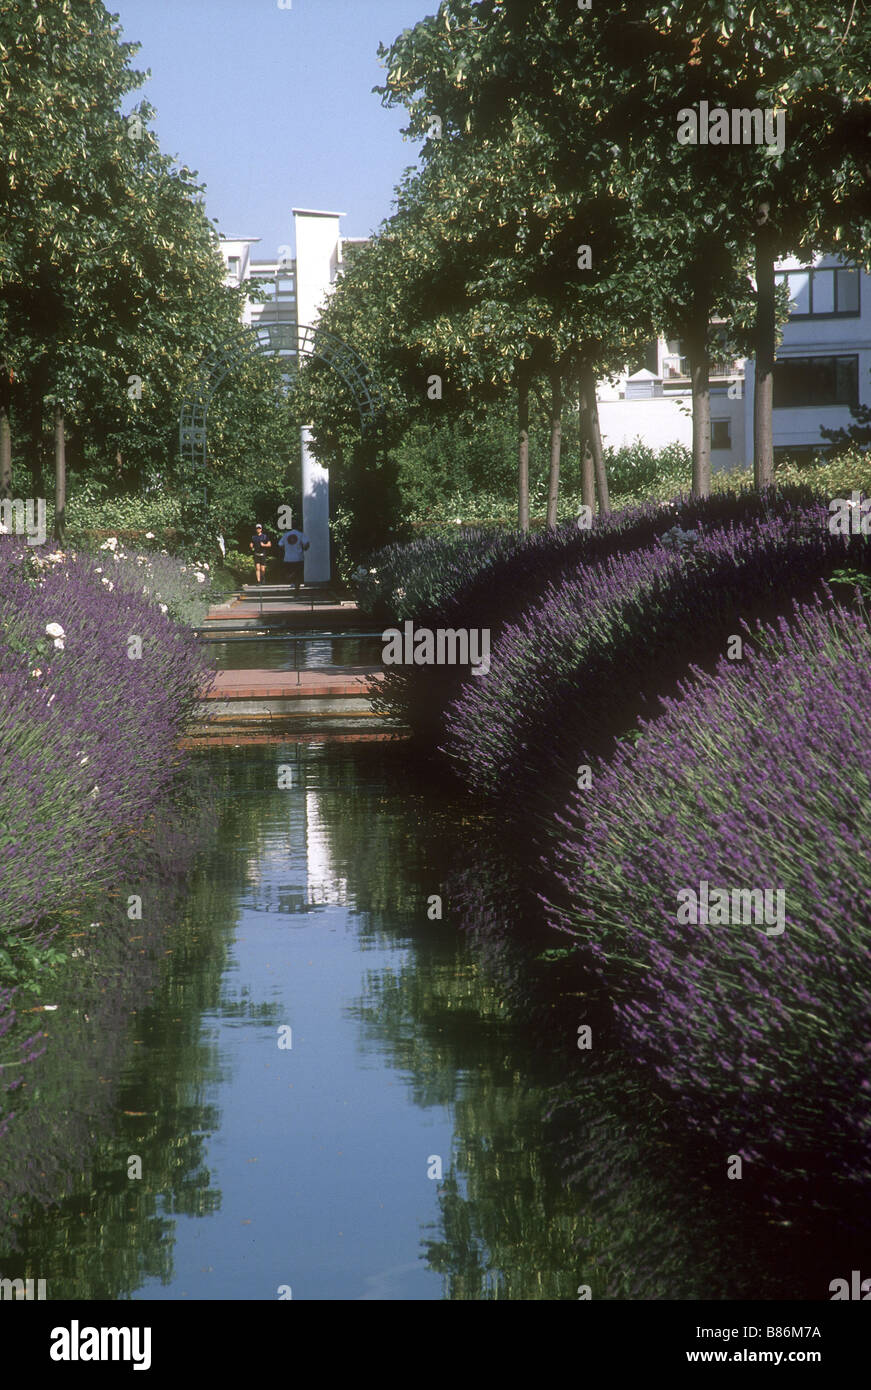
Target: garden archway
285 339
288 340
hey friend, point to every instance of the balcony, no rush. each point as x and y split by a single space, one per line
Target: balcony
677 369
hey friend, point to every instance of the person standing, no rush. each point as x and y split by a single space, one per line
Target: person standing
293 545
261 545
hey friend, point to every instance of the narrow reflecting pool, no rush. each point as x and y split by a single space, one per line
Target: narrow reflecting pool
322 1089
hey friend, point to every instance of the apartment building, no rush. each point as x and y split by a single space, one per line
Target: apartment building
822 369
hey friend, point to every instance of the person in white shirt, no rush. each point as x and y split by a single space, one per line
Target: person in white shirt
293 545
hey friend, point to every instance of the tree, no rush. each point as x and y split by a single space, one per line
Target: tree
715 214
111 281
544 236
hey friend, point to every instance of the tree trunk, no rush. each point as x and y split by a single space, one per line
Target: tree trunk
523 449
34 437
60 474
5 436
556 433
585 430
766 328
700 377
588 385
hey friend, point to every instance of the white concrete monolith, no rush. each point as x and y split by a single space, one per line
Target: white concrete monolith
318 257
315 513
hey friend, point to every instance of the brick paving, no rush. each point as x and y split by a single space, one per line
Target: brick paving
315 683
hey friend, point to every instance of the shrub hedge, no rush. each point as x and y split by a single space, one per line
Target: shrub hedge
753 778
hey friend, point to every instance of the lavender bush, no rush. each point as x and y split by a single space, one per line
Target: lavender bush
87 747
87 730
599 649
406 579
755 776
494 581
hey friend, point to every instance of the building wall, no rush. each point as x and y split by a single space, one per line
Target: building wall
664 419
799 426
668 419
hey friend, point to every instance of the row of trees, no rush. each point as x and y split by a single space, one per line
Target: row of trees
111 280
557 222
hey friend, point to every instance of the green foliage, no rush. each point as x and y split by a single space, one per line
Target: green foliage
28 964
241 565
128 512
637 470
832 477
111 281
464 456
855 579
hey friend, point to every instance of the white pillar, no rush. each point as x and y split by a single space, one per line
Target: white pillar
318 257
315 512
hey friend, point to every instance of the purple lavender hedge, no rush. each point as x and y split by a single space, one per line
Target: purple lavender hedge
754 778
603 645
87 738
486 580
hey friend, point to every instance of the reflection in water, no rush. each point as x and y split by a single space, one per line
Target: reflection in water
291 654
306 1165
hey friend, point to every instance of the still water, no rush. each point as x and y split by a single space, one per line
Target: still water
299 653
392 1148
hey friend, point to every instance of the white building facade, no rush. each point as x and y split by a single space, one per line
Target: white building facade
822 369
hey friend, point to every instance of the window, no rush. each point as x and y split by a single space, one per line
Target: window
721 436
829 293
233 264
816 381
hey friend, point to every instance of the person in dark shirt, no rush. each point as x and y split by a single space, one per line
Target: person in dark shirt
261 546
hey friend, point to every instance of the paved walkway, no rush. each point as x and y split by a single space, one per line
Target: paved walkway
325 682
318 608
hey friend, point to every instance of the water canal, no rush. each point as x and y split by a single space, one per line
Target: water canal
330 1095
306 1166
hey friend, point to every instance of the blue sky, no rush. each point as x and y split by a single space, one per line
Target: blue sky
274 107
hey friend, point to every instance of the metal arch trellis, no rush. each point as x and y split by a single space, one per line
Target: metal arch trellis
285 339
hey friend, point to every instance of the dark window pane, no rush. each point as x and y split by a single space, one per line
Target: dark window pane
816 381
720 435
847 380
848 291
